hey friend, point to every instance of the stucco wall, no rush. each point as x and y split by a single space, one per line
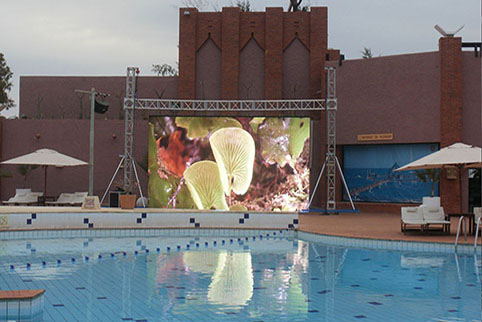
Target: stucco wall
251 71
296 71
471 99
208 71
393 94
53 97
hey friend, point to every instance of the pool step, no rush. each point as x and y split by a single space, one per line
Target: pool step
21 305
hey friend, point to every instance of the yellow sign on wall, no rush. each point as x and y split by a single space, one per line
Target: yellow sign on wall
4 222
375 137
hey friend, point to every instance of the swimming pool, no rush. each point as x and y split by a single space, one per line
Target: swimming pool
244 275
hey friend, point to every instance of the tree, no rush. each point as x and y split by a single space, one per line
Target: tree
200 4
164 70
244 5
429 175
295 5
5 85
24 170
367 53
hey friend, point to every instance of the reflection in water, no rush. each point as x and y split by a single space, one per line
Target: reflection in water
232 282
417 261
201 261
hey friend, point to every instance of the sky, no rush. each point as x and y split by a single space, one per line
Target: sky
104 37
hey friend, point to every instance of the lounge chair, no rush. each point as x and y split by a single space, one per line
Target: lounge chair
435 216
24 197
477 215
78 198
69 199
412 216
63 200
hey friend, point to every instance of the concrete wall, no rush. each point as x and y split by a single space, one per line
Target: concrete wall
70 137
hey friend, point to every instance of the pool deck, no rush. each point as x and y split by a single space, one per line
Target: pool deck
372 225
365 224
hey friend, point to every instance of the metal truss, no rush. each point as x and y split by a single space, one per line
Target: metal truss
220 105
129 129
331 107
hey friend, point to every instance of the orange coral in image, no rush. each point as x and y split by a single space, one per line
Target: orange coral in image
172 158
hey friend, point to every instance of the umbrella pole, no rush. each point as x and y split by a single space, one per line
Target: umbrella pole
45 180
460 168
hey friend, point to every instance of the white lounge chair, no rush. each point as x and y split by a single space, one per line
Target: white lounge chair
477 215
412 216
69 199
64 199
24 197
78 198
435 216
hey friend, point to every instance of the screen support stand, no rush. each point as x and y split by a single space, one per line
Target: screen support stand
321 175
115 174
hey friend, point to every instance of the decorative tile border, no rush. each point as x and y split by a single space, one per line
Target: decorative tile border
116 220
387 244
4 221
143 232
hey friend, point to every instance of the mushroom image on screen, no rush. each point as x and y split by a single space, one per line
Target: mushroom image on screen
234 151
204 184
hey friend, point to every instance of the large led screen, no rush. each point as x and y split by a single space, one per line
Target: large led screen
224 163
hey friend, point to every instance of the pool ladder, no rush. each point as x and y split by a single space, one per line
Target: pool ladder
462 218
477 233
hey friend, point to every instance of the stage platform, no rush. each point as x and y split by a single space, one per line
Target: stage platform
43 218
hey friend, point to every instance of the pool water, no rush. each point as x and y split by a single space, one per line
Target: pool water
260 277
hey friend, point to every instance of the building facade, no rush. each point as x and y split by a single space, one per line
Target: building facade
424 100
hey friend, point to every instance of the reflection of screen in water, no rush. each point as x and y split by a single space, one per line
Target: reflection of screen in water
224 163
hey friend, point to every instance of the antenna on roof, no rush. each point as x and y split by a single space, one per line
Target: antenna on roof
447 34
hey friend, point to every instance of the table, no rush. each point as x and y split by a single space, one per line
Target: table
468 215
43 199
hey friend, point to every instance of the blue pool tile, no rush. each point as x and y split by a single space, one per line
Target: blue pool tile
375 303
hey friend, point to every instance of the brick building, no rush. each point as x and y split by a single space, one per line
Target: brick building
425 99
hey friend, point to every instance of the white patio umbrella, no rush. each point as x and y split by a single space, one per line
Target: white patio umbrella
46 157
458 155
455 155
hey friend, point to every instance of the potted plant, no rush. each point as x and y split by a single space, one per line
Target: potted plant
127 201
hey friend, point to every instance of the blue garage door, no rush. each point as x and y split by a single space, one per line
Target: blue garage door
369 172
